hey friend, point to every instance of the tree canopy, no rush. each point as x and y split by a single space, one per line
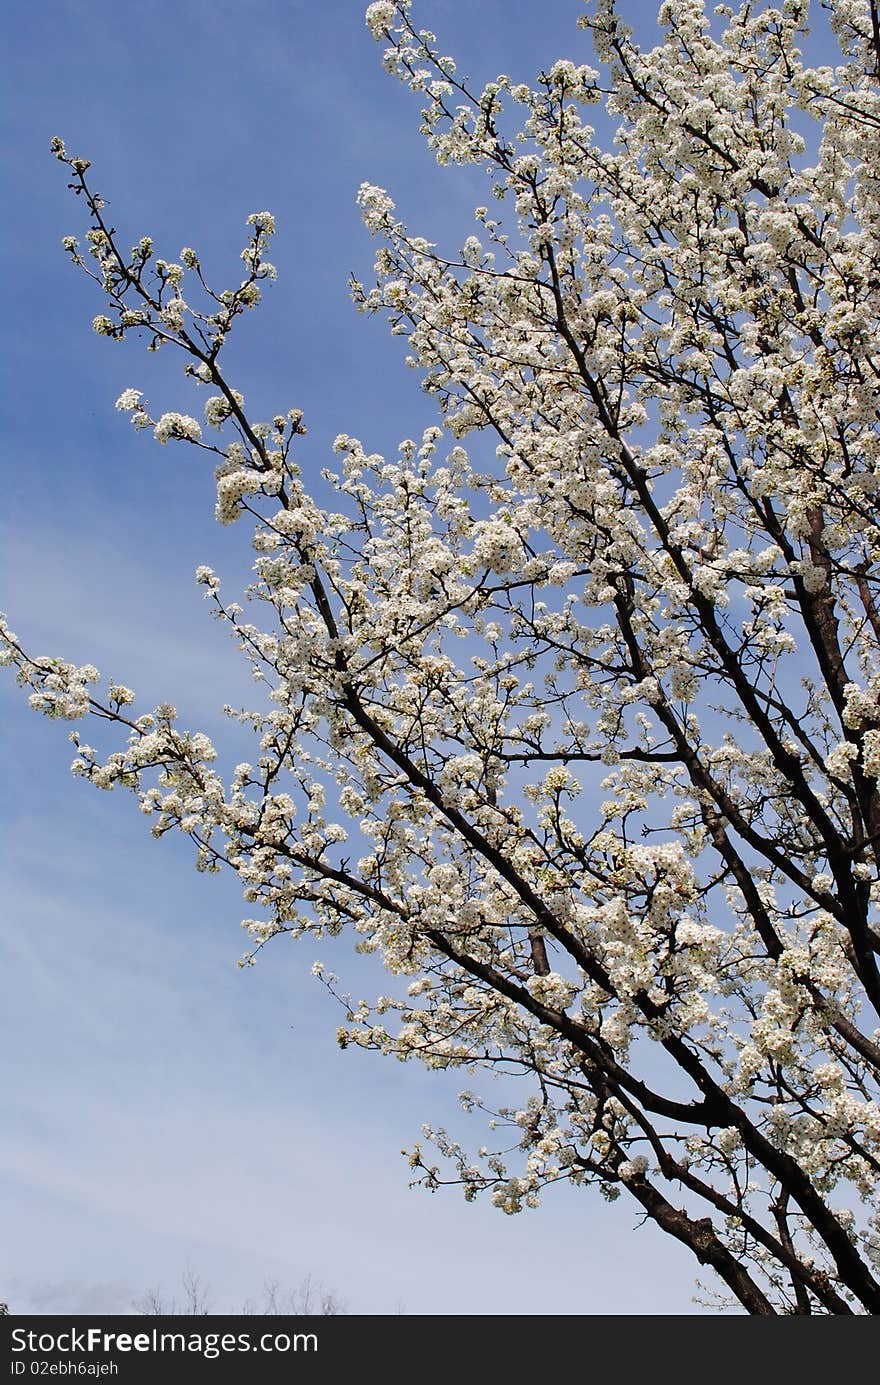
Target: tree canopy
570 712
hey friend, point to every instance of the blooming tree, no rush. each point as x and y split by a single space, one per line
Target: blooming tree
580 731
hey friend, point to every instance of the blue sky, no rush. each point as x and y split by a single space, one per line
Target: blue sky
163 1108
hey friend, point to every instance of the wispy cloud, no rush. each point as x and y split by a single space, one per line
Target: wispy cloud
162 1112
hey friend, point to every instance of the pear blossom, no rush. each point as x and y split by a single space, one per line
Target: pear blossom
173 425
